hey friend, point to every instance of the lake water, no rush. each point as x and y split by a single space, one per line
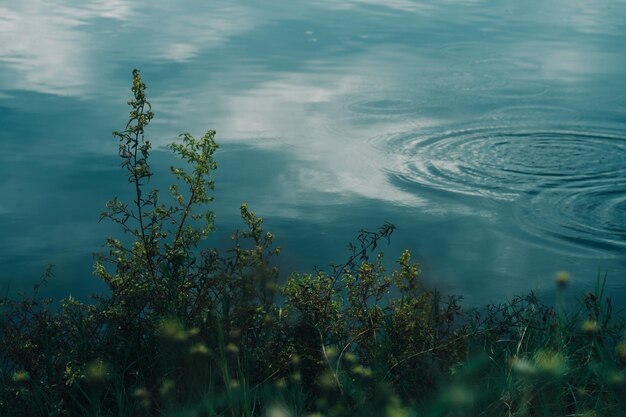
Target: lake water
491 133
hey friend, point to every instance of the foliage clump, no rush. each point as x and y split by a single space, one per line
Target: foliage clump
190 330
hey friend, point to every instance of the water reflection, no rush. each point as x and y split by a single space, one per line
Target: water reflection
491 132
502 162
47 48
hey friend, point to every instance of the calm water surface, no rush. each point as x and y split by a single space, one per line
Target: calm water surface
492 133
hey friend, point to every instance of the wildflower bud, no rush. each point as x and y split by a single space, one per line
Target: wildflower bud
281 383
232 348
295 359
620 350
331 352
199 349
562 279
167 385
362 371
97 371
278 410
172 329
327 381
395 409
590 327
523 367
143 396
367 372
550 363
21 376
194 331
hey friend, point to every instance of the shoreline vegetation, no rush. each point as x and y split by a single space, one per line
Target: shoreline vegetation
186 330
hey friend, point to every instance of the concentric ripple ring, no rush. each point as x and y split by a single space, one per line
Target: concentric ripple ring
583 213
565 185
502 162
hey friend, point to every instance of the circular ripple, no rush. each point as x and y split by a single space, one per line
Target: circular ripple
467 81
378 106
532 114
584 213
383 108
468 48
503 163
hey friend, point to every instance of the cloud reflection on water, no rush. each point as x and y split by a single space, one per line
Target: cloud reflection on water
46 46
303 114
61 48
315 89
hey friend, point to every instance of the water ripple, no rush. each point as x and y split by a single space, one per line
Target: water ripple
377 105
586 213
565 184
383 108
502 163
527 115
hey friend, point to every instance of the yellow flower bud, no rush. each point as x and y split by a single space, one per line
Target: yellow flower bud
590 326
21 376
562 279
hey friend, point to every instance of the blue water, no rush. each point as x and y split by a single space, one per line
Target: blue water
492 133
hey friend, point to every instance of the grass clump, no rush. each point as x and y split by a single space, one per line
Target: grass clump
186 330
